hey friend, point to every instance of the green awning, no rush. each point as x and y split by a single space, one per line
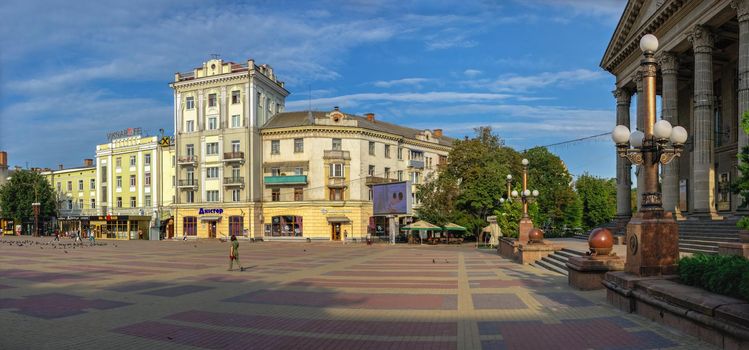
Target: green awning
453 227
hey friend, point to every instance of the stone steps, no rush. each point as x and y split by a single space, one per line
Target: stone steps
557 262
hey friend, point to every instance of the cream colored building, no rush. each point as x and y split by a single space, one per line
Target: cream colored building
75 189
218 110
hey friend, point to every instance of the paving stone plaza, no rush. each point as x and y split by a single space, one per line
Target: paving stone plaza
174 295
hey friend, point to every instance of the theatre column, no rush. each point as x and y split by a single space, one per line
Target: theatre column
623 166
669 109
742 14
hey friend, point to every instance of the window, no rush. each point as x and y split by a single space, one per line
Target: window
211 149
174 181
298 145
190 102
190 197
70 186
174 160
371 148
190 150
119 202
371 170
416 155
190 224
147 200
119 182
336 170
400 175
235 97
259 99
70 204
93 203
298 171
235 172
235 121
370 194
211 100
235 195
267 103
59 187
80 204
190 174
236 225
118 162
93 184
276 194
147 159
336 194
443 160
211 196
337 146
400 153
132 161
285 226
132 180
275 147
275 171
80 185
298 194
147 179
190 126
132 202
212 123
211 173
387 151
235 146
103 174
387 172
415 178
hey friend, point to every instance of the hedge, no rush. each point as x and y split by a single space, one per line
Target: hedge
722 274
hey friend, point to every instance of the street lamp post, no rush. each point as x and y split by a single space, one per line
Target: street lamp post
652 233
509 184
526 196
36 206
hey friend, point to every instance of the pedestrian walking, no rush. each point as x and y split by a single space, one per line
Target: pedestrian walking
57 236
234 253
345 236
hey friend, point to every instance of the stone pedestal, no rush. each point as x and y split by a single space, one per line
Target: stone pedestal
525 226
741 249
652 244
586 272
532 252
508 248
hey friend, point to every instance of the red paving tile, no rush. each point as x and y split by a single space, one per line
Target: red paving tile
350 300
56 305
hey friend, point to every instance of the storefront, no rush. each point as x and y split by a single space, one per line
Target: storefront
121 227
72 224
209 222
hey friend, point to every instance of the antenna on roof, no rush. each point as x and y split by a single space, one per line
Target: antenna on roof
215 56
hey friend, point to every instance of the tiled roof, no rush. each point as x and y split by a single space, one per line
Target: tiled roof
301 118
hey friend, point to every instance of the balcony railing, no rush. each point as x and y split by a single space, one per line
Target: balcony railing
337 154
234 181
337 182
187 183
286 180
234 156
419 164
187 160
373 180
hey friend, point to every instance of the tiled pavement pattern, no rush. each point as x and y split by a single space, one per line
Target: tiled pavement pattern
174 295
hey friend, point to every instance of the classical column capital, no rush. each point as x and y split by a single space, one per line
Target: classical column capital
669 63
637 78
702 39
742 9
623 95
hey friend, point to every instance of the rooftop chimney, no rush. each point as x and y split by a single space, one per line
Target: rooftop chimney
88 162
60 167
370 117
437 132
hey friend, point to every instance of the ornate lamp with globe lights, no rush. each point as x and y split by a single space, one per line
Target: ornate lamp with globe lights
652 234
526 196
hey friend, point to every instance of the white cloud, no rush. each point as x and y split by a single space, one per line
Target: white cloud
513 82
472 73
400 82
353 100
607 10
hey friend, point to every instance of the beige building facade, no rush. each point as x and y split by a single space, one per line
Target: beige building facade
703 84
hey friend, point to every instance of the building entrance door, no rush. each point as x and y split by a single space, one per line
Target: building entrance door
211 229
335 233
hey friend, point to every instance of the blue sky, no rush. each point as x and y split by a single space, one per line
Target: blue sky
71 71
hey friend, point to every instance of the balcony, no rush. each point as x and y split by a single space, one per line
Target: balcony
418 164
337 155
234 181
187 160
188 183
374 180
234 157
337 182
285 180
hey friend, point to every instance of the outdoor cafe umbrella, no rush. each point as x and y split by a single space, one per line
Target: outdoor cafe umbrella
421 225
452 227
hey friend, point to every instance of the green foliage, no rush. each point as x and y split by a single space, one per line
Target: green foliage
743 223
558 203
741 185
723 274
24 188
598 197
438 194
508 217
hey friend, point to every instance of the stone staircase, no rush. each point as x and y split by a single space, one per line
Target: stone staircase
557 262
703 236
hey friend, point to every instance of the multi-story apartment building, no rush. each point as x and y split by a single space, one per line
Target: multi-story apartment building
75 189
319 167
129 176
218 110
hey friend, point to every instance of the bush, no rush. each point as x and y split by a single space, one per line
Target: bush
722 274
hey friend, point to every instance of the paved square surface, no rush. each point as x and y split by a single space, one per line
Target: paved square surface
178 295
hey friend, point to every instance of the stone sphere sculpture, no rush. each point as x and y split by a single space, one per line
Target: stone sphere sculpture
535 235
601 241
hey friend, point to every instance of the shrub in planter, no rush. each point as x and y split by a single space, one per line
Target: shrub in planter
728 275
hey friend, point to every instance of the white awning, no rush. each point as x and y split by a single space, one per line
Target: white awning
210 218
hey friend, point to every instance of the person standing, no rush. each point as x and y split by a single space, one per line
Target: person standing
234 253
345 236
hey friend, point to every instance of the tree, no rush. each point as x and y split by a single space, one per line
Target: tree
438 194
598 197
558 204
741 186
26 187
